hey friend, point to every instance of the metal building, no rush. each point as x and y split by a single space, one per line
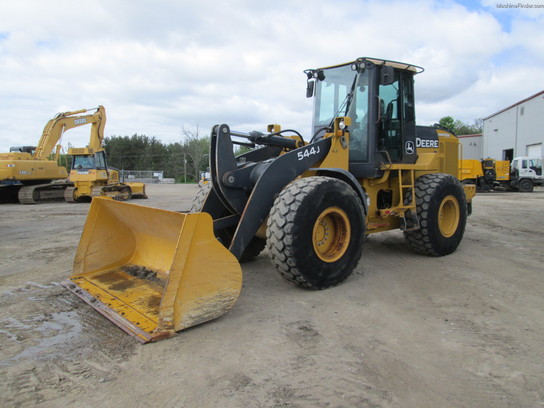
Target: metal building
516 130
473 146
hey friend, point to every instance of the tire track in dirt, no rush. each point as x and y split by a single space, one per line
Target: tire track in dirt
53 343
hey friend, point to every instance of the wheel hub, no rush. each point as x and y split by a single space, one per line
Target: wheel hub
448 216
331 234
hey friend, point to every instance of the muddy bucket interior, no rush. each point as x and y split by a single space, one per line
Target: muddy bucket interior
153 272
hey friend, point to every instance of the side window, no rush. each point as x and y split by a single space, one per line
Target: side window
100 160
524 164
358 142
389 132
408 111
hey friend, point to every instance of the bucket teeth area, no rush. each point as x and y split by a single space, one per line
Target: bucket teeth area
135 299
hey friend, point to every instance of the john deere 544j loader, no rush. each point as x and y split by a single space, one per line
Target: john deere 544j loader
366 169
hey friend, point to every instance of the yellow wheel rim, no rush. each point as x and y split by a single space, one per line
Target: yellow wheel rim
448 216
331 234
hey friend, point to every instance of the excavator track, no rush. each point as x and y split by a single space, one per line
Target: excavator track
42 193
27 195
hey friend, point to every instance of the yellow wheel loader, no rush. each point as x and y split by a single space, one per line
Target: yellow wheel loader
367 168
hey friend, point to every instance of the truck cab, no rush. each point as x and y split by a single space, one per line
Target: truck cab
527 172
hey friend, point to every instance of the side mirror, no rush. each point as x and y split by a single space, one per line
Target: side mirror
310 88
387 75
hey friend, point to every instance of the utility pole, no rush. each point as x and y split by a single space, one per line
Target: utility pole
184 169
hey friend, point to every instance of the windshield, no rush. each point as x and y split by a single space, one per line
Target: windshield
344 92
83 162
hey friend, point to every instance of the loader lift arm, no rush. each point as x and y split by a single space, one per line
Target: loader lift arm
243 191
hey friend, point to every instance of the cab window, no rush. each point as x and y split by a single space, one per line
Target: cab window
389 132
83 162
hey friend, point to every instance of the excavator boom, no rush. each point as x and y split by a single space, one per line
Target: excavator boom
55 128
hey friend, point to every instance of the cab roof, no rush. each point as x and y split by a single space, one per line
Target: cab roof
379 61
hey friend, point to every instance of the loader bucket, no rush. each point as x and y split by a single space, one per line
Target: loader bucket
153 272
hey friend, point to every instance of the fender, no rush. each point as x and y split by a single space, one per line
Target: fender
347 177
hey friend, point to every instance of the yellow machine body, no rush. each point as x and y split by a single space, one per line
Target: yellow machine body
398 179
92 177
470 169
502 168
154 272
485 174
164 273
21 167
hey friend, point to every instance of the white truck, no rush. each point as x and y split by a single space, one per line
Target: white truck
526 172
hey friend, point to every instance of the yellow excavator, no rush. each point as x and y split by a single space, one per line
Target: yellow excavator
367 168
28 173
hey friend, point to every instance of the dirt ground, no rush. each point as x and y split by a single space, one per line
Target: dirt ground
405 330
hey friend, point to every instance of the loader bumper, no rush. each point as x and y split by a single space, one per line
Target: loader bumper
153 272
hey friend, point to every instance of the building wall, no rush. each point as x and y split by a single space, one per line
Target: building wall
530 128
518 127
472 146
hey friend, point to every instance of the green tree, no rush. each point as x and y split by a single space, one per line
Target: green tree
448 122
238 150
182 160
136 152
461 128
196 149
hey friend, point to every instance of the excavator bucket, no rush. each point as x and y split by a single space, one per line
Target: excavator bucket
153 272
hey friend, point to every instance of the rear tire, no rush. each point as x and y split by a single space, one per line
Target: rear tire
442 212
316 231
525 186
200 198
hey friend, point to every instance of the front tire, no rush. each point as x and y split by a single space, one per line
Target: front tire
442 212
526 186
255 246
316 231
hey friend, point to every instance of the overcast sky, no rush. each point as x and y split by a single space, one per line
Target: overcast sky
159 66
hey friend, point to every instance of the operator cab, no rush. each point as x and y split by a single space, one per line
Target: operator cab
378 96
96 161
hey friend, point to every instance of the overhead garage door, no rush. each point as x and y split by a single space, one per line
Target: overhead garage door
534 150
